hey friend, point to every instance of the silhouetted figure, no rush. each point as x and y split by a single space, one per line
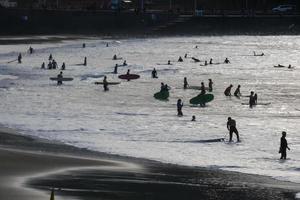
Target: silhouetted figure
154 73
106 44
283 146
50 65
50 57
237 92
193 118
255 99
54 64
179 108
43 66
211 61
251 99
105 84
20 58
185 83
162 87
85 61
124 63
205 63
202 88
180 59
226 61
210 85
83 45
227 91
169 62
185 55
116 69
63 67
231 126
115 57
59 78
30 50
128 72
290 66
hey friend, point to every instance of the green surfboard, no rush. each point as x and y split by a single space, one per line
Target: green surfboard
164 95
202 99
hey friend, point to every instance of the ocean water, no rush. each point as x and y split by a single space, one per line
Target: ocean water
127 120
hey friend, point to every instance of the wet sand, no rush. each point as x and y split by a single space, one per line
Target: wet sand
30 167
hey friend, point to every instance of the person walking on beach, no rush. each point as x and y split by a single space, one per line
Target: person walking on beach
231 126
185 83
227 91
59 78
210 85
283 146
237 92
105 84
154 73
179 108
20 58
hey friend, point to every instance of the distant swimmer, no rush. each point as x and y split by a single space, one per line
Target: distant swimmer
30 50
169 62
43 65
185 55
195 59
83 45
290 66
59 78
85 61
105 84
185 83
50 65
54 64
211 61
179 108
124 63
283 146
254 53
154 73
205 63
63 67
237 92
251 99
227 91
193 118
20 58
115 57
116 69
196 47
210 85
202 88
180 59
50 57
226 61
231 126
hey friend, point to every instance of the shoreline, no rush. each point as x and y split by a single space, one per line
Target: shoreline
85 174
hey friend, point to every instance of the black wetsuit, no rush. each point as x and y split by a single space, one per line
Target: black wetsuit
210 87
251 101
179 108
227 92
59 81
283 147
237 92
231 125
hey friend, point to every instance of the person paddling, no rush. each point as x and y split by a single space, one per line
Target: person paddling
283 146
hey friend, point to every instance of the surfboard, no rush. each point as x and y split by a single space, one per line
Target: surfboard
279 66
261 104
61 79
164 95
109 83
129 76
202 99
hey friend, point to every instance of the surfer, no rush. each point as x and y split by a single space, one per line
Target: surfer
43 65
237 92
154 73
179 108
262 54
251 99
211 61
205 63
193 118
227 92
106 44
195 59
180 59
115 57
63 67
290 66
59 78
124 63
105 84
255 99
128 72
54 64
231 126
85 61
50 65
226 61
202 88
169 62
283 146
185 83
30 50
210 85
116 69
19 58
83 45
162 87
50 57
185 55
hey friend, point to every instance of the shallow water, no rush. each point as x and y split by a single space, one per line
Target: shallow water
127 120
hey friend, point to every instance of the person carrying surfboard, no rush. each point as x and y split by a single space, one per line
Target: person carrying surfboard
283 146
59 78
210 85
154 73
179 108
237 92
185 83
105 84
227 91
231 126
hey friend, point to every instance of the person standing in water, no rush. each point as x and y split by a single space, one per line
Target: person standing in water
202 89
85 61
59 78
116 69
283 146
43 65
193 118
63 67
210 85
185 83
180 59
251 99
237 92
20 58
227 91
105 84
179 108
231 126
154 73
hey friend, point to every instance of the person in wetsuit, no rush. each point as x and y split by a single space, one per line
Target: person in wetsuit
193 118
20 58
210 85
231 126
179 108
115 57
169 62
63 67
105 84
180 59
227 91
59 78
124 63
255 99
226 61
116 69
43 66
237 92
211 61
283 146
85 61
154 73
185 83
202 88
251 99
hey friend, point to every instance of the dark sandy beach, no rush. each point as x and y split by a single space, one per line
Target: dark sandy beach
30 167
